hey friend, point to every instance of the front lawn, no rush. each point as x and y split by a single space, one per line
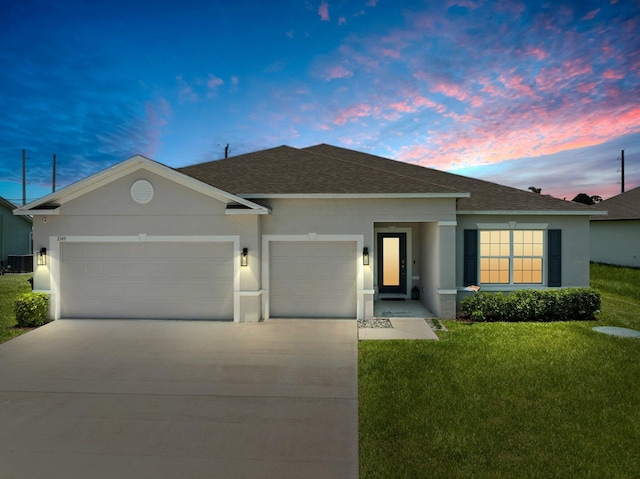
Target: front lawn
10 287
508 400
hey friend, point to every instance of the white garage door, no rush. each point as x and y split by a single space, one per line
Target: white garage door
312 279
147 280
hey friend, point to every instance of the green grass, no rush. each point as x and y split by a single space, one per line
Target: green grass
10 287
507 400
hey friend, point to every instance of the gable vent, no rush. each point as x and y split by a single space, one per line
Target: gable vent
142 192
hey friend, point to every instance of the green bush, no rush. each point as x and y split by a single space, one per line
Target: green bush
31 309
567 304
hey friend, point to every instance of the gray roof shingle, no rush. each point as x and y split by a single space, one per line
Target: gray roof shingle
287 170
625 206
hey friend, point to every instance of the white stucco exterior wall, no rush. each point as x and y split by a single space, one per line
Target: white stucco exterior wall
616 242
575 243
176 213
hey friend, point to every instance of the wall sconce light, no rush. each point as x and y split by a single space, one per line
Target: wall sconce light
365 256
244 257
42 257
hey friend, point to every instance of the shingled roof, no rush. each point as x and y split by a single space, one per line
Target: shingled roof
326 169
291 171
625 206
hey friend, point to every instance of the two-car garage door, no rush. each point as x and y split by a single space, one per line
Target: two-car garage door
312 279
147 280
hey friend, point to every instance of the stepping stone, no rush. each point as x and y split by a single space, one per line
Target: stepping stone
615 331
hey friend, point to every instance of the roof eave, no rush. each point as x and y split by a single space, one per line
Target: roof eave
37 212
530 212
121 170
351 195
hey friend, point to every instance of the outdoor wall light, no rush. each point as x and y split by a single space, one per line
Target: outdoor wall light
244 257
365 256
42 257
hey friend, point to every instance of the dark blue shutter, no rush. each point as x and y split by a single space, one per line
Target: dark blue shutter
470 257
554 276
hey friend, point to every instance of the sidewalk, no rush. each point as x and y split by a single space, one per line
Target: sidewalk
410 328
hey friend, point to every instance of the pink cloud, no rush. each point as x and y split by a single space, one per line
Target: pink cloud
371 3
414 103
555 78
537 52
402 107
491 88
390 53
612 75
214 82
477 101
186 94
462 3
591 14
337 71
422 102
352 113
520 133
391 116
156 116
516 82
361 59
323 11
576 67
451 90
586 87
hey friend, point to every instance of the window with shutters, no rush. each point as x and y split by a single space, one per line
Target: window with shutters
511 256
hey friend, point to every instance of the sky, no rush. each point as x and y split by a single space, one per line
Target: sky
520 92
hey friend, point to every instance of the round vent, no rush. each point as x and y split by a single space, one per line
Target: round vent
142 192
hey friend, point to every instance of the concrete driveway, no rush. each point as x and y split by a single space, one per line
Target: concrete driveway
177 399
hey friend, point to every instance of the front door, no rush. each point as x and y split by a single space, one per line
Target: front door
392 263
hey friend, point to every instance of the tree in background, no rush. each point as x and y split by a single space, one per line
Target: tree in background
586 199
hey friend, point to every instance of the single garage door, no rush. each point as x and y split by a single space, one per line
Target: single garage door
312 279
147 280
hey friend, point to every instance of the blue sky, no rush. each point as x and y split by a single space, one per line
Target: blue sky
525 93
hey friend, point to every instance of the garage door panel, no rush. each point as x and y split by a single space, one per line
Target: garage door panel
147 280
312 279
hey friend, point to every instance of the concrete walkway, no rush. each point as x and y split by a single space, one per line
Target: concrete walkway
409 328
169 399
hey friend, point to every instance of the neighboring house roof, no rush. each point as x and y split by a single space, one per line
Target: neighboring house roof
10 206
625 206
326 169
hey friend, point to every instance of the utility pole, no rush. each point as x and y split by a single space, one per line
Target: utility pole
622 170
226 151
24 177
53 181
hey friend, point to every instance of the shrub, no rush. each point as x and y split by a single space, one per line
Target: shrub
31 309
568 304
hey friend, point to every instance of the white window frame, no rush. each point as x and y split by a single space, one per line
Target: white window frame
511 227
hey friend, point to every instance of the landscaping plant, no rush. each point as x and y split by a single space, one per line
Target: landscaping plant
11 286
31 309
567 304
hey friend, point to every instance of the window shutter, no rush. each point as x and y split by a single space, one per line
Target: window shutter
554 277
470 257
